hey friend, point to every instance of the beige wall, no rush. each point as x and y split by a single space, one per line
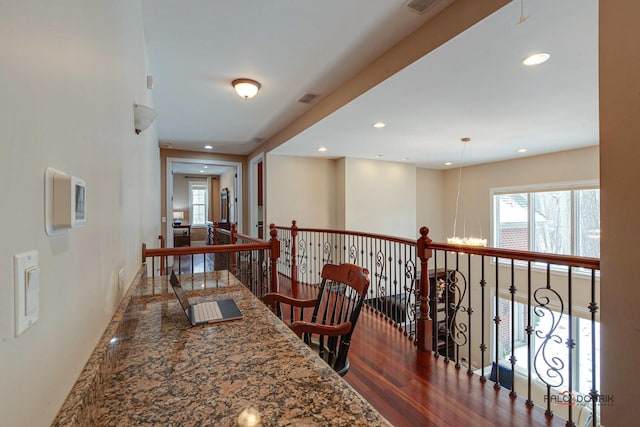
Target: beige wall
69 77
380 197
430 203
181 197
300 188
477 182
620 172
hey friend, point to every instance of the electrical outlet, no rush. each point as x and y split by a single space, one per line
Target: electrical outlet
121 279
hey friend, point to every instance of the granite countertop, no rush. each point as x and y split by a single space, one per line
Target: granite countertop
153 368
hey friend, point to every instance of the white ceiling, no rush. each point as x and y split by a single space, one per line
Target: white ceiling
474 86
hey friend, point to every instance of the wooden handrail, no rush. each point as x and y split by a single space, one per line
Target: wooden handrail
189 250
568 260
273 246
352 233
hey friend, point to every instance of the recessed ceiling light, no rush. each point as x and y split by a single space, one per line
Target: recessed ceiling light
379 125
448 164
208 147
536 59
205 166
404 159
522 150
378 156
322 149
201 171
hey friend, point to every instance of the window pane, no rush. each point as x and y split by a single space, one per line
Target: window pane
198 214
512 221
552 222
588 223
198 196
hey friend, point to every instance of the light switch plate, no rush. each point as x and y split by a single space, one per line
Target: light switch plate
26 279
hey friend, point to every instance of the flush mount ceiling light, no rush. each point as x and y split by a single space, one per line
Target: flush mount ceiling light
246 88
379 125
322 149
522 150
536 59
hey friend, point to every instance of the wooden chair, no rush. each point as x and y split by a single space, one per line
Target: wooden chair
335 313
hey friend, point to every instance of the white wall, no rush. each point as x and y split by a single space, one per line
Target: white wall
380 197
71 72
430 203
300 188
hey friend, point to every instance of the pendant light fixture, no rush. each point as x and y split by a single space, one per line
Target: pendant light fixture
455 240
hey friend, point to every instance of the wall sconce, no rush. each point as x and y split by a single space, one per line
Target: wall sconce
246 88
178 216
143 116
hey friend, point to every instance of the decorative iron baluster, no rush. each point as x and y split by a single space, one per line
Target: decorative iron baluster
469 313
483 346
552 371
571 344
593 308
409 305
512 357
457 330
529 331
497 321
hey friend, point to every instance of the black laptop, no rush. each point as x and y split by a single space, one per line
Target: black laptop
205 312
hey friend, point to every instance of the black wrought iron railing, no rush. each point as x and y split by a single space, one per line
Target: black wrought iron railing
391 262
528 322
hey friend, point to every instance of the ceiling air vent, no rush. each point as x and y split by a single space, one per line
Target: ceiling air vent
258 140
420 6
307 98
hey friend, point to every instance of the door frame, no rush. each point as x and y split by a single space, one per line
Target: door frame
169 189
253 196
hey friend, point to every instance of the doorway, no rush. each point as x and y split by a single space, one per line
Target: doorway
185 199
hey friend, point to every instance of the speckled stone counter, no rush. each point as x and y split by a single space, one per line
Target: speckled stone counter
152 368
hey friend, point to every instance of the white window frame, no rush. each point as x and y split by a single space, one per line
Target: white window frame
572 186
197 185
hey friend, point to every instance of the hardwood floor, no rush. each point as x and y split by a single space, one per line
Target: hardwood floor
411 388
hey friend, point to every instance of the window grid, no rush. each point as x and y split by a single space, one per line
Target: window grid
562 220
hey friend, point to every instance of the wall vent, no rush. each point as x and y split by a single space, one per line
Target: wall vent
420 6
307 98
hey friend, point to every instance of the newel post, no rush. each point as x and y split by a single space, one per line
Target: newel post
274 255
424 333
294 262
